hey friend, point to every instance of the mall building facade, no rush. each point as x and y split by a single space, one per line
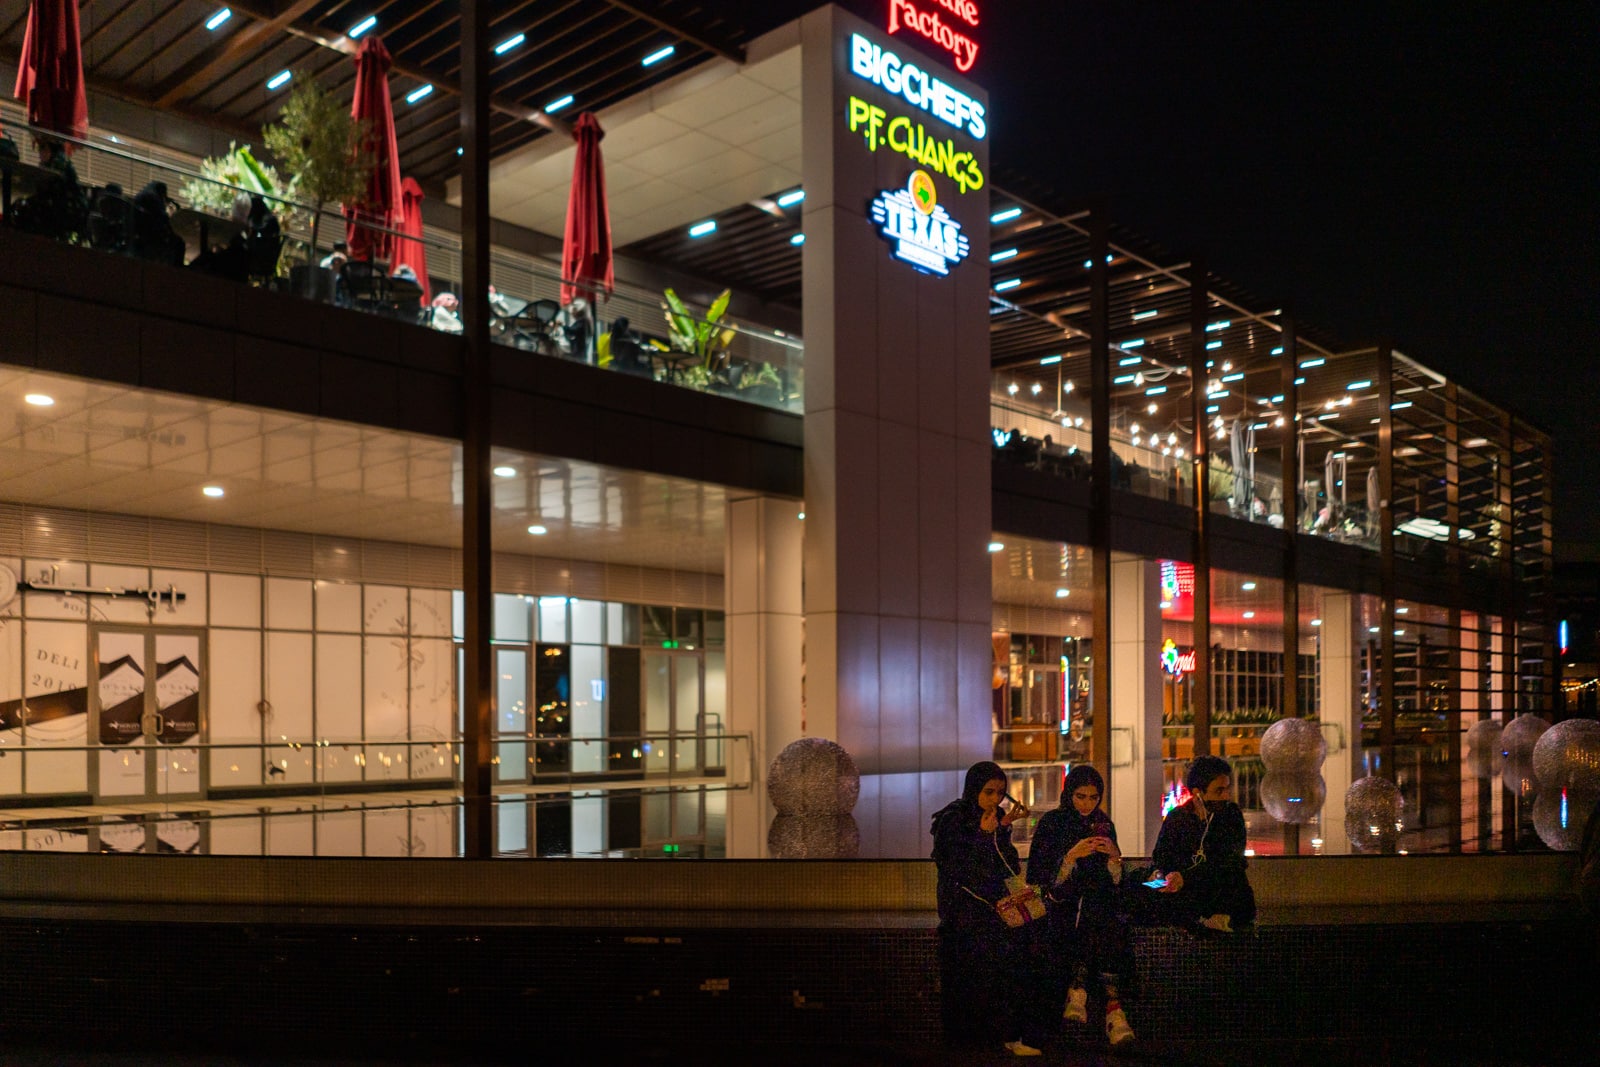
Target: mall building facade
1026 490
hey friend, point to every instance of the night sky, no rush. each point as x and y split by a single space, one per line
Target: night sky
1420 173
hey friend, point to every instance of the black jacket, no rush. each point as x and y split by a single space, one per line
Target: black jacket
1207 852
970 860
1053 838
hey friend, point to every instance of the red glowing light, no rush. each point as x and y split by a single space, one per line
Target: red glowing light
962 48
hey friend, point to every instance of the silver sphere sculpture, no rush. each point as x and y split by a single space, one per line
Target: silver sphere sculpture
1293 745
814 837
813 776
1293 797
1568 756
1372 814
1517 742
1559 816
1483 747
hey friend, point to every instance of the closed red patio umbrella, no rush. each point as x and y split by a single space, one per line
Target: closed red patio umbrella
409 251
586 254
50 71
381 204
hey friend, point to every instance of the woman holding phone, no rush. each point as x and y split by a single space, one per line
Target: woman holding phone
1076 864
989 977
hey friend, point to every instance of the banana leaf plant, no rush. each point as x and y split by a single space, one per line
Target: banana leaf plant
706 337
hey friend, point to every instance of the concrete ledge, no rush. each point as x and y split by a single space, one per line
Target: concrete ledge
1364 889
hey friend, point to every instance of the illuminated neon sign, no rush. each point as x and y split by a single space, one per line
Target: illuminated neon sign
920 89
911 139
918 227
1174 662
962 49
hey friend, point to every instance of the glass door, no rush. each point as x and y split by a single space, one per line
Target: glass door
674 712
511 713
149 712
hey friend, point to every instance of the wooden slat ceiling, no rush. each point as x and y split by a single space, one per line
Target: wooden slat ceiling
159 53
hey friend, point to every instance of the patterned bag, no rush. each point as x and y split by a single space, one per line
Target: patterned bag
1021 905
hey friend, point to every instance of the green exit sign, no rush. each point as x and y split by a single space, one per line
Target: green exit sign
669 848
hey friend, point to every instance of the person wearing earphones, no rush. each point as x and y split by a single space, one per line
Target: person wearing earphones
1200 853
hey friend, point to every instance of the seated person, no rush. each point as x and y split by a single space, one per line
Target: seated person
445 313
153 236
336 259
58 208
1200 852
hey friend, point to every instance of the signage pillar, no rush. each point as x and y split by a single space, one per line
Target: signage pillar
897 448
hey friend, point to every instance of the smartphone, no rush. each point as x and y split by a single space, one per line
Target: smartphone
1157 883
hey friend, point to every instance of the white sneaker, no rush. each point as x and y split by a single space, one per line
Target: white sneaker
1117 1028
1022 1048
1222 923
1077 1005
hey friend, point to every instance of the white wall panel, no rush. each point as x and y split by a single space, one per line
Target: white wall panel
235 600
288 604
338 607
191 611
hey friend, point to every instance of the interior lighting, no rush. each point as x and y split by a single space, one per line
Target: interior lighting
39 400
1047 360
1277 399
1402 611
1005 216
509 43
505 472
1213 327
461 151
1122 379
791 198
362 27
1131 361
1307 364
802 516
1078 421
1012 388
1155 390
1232 377
1002 255
1249 614
222 15
212 491
1066 387
1474 442
798 239
1401 404
1299 381
279 80
700 229
1217 394
1363 384
1137 342
1134 427
419 94
1372 629
997 546
537 530
1009 283
1063 593
556 105
1248 586
1151 410
1226 366
1210 345
1037 388
1140 316
658 55
1278 351
1316 622
1178 452
1213 409
1278 421
1135 438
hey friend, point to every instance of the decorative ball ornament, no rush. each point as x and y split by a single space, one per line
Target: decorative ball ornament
1517 742
1372 814
813 776
8 585
1483 747
814 837
1560 815
1292 745
1568 756
1293 797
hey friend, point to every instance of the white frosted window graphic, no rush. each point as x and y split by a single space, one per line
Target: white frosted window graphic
55 684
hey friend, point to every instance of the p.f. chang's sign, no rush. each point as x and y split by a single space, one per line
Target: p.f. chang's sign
929 23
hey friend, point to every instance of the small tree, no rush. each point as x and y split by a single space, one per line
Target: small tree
319 143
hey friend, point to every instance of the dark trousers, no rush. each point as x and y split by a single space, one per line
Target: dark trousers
993 983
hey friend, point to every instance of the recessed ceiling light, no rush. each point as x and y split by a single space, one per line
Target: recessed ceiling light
1316 622
40 400
798 239
280 79
212 490
1247 586
1249 614
506 472
791 198
557 104
509 43
1063 592
538 531
657 56
997 546
222 15
700 229
362 27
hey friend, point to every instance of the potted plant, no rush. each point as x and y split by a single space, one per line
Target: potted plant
761 384
223 177
705 337
318 143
